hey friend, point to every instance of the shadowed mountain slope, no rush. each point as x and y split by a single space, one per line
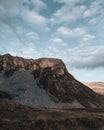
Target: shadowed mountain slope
44 82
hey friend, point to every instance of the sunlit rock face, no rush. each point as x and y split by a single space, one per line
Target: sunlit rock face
44 82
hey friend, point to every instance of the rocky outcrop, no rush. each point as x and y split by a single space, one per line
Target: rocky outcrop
44 82
14 63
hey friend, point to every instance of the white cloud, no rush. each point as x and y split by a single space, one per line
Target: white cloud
90 12
88 37
64 31
70 2
77 33
58 41
39 4
34 4
33 35
35 19
86 57
30 13
68 14
8 11
49 51
29 51
67 32
93 21
53 49
94 11
8 8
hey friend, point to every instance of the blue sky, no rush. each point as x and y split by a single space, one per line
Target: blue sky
72 30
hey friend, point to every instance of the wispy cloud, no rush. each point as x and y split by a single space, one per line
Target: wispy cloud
79 33
87 57
8 10
26 10
58 41
33 35
34 4
68 12
33 18
69 2
67 32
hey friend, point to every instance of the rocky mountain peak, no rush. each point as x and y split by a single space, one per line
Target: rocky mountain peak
9 62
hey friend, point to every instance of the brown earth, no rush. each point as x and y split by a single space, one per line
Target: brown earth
15 116
98 87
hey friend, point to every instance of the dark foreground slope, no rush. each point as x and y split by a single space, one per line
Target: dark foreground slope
44 82
14 116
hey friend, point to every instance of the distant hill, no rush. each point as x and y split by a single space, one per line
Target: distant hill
96 86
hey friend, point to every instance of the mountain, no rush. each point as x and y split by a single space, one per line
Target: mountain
44 82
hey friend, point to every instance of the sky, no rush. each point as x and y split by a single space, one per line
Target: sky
71 30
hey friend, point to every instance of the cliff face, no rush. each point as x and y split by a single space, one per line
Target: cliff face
9 62
44 82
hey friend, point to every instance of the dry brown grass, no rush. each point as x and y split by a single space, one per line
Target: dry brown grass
15 116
